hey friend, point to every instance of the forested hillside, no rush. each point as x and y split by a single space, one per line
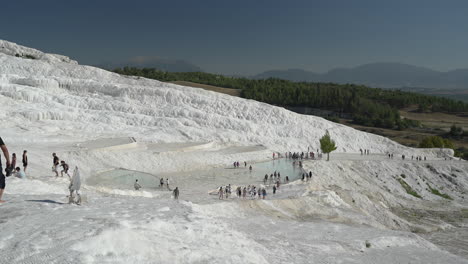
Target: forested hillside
367 106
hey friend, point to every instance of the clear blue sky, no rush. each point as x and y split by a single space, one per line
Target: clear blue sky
246 37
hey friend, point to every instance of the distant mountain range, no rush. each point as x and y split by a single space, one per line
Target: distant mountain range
382 75
153 62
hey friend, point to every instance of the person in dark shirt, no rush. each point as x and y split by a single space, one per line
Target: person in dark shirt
8 169
64 168
176 193
25 160
13 160
56 164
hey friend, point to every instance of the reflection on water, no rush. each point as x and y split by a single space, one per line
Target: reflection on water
122 179
198 183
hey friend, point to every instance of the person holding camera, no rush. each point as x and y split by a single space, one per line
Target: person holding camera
7 170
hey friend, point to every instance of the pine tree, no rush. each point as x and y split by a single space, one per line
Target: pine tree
327 144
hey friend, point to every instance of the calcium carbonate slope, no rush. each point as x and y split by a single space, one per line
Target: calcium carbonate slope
56 91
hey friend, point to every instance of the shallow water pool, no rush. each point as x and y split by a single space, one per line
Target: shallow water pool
198 184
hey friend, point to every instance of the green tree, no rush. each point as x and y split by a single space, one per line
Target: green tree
327 145
455 131
448 144
426 143
435 142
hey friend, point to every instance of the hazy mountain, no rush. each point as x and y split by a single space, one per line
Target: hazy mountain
385 75
153 62
290 74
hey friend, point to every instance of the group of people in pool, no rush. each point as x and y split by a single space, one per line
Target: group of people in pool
303 155
237 165
244 192
224 192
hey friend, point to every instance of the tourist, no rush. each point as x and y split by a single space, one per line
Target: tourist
6 154
13 160
167 184
221 193
137 186
176 193
55 164
25 160
64 168
19 174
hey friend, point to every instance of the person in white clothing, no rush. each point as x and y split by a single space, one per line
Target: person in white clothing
20 174
137 185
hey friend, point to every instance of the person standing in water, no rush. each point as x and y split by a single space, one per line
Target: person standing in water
19 174
137 186
25 160
176 193
13 160
161 182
